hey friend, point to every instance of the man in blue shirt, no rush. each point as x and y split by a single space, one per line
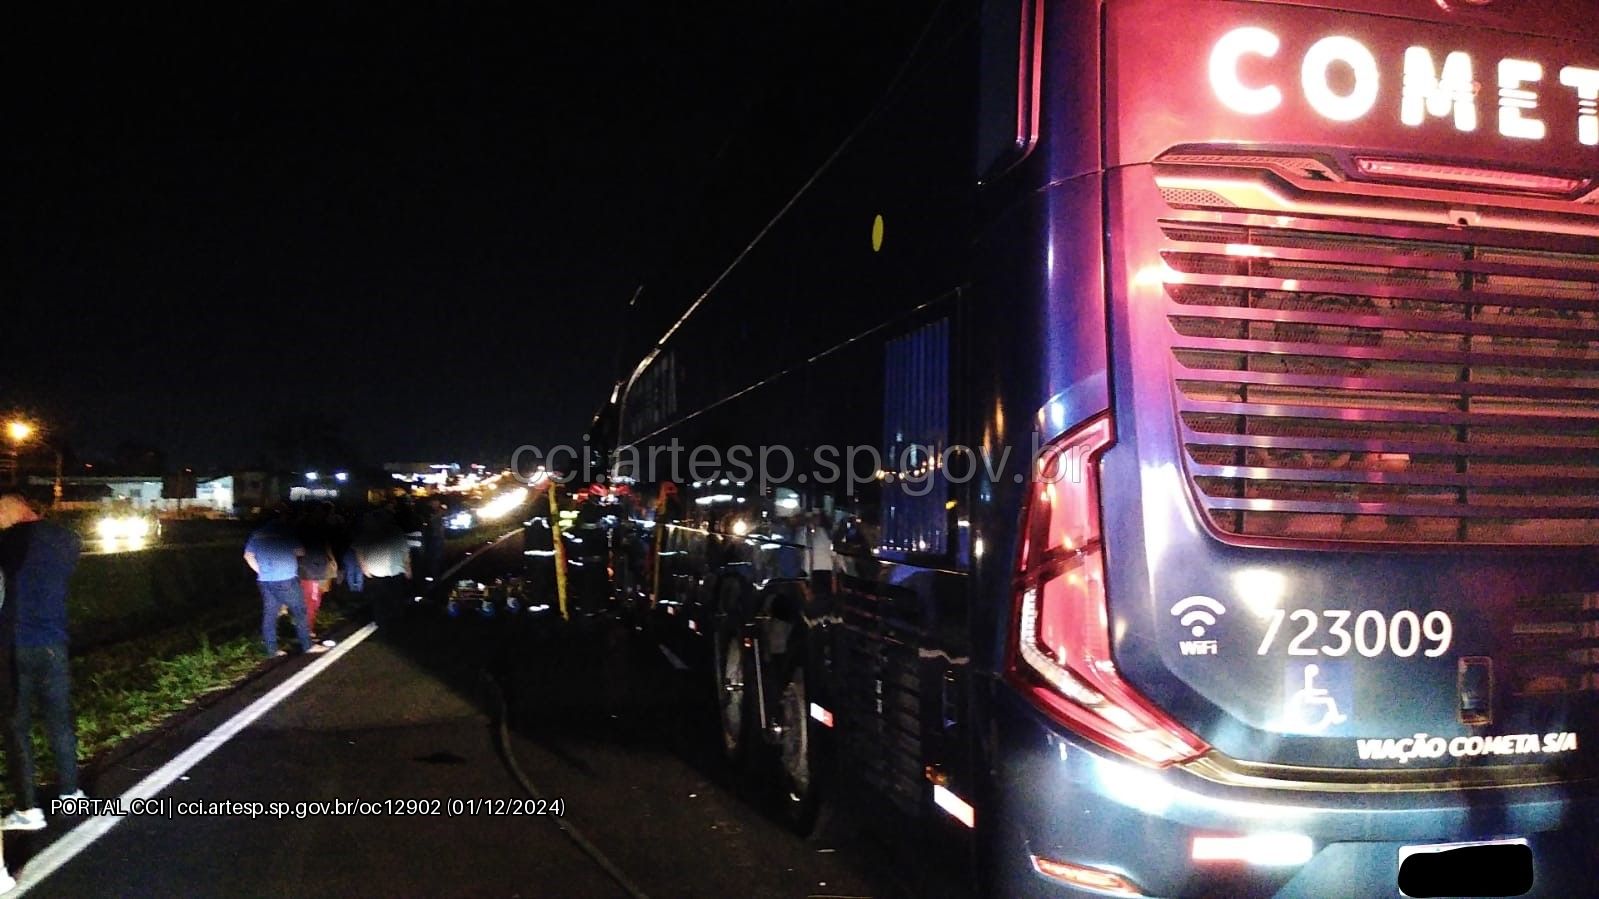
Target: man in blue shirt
38 557
273 552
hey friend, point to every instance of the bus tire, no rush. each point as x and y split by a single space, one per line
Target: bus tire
734 701
798 765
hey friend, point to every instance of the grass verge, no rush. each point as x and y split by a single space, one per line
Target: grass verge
131 688
157 632
116 699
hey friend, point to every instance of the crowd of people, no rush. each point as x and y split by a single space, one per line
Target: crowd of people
298 555
300 552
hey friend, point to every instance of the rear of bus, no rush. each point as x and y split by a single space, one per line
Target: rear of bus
1313 608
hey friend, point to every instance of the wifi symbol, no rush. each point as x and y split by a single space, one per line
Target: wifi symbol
1198 613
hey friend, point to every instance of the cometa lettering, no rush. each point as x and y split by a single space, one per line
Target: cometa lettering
1424 746
1434 86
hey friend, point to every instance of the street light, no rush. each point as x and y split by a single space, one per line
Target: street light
20 431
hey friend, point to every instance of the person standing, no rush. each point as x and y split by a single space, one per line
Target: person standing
433 540
273 552
39 557
819 550
317 567
7 882
384 554
409 519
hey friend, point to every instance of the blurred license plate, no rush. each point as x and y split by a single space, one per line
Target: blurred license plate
1486 868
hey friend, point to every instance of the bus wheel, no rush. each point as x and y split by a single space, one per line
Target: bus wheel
797 770
733 700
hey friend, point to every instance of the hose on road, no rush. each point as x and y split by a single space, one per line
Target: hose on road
503 739
503 736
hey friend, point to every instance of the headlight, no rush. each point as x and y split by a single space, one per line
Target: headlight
123 527
503 505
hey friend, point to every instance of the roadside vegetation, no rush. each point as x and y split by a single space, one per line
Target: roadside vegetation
131 688
162 631
157 633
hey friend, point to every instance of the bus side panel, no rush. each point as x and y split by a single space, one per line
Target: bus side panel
790 349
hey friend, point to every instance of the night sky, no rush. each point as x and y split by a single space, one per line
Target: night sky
417 226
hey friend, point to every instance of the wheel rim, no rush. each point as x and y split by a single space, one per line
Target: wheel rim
732 683
796 736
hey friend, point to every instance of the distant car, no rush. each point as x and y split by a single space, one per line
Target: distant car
123 529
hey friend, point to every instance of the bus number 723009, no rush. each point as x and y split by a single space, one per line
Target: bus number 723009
1371 634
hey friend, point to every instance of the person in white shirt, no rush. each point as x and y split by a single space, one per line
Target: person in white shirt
819 553
385 559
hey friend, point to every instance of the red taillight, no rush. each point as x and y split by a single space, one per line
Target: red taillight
1060 643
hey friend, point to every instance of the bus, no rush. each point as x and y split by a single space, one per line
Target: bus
1156 453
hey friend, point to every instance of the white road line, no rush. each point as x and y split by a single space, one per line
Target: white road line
672 657
473 554
84 835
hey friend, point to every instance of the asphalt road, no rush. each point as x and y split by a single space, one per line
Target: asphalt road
454 709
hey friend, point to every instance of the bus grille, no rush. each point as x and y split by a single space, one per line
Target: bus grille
1554 645
1366 381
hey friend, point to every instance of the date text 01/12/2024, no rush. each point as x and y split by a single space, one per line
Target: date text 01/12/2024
169 807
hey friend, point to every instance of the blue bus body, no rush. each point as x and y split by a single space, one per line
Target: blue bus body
1287 315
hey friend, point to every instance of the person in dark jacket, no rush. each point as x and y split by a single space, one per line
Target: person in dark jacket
433 540
408 518
38 557
7 692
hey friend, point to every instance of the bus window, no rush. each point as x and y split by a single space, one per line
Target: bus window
915 434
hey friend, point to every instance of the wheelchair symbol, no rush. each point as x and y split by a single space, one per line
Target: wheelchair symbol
1304 704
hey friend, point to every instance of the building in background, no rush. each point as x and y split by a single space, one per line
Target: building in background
439 477
257 489
210 496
